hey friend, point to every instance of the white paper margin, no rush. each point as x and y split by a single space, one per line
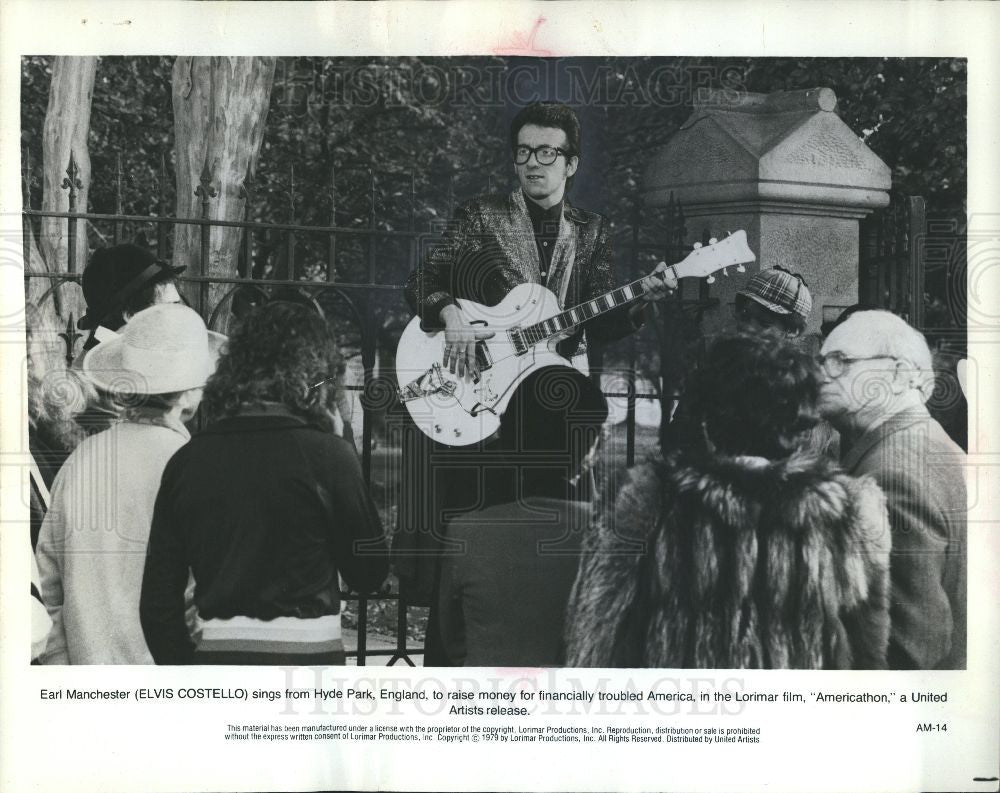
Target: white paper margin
178 745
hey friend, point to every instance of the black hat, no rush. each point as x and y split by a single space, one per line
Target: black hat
115 274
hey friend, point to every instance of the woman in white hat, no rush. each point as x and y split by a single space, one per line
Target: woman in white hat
92 546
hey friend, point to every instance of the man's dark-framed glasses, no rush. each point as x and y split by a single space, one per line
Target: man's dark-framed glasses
545 155
836 363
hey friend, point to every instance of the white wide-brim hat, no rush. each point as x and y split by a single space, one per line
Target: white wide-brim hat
162 349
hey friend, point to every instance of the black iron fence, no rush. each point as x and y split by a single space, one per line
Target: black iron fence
353 269
891 272
913 263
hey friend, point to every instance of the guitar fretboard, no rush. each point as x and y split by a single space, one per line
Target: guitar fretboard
560 323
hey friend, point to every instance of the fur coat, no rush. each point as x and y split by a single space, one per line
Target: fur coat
736 562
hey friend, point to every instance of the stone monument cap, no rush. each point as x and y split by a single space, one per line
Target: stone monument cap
805 100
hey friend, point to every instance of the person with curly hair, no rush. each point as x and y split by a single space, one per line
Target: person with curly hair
737 549
265 507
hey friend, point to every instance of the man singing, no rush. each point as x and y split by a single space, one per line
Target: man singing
532 235
496 243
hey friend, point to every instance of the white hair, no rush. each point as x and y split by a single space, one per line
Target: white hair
889 335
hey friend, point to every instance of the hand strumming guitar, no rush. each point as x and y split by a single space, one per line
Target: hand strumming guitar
460 342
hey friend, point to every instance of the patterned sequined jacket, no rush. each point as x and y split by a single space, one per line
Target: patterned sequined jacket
490 248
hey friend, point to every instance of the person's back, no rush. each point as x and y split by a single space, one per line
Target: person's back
264 508
735 550
922 472
504 592
93 541
736 563
270 508
92 546
508 568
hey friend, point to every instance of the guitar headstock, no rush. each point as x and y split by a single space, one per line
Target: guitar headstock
705 260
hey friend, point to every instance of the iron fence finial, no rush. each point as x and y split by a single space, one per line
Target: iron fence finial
72 181
205 188
69 337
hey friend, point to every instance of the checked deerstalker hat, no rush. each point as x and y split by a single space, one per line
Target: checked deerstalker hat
781 291
114 275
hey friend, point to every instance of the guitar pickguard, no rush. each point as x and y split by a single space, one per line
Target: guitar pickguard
430 382
484 390
458 411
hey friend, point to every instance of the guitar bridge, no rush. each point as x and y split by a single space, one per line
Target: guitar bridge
430 382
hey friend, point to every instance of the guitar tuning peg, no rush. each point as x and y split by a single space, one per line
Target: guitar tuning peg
740 268
713 241
697 245
711 279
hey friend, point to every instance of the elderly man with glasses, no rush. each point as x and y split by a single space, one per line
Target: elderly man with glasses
877 377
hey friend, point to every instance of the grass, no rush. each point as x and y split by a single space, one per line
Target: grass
383 616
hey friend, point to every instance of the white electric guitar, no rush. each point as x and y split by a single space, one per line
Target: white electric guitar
527 324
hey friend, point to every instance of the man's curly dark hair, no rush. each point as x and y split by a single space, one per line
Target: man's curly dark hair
753 394
278 353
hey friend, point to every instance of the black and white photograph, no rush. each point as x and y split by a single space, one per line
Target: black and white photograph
649 369
688 240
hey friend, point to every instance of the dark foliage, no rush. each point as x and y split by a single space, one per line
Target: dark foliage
394 143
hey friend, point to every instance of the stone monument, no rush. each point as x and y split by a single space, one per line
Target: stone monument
788 170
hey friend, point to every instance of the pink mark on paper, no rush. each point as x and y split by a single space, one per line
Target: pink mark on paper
521 44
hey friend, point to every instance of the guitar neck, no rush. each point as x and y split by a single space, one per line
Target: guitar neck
702 261
573 317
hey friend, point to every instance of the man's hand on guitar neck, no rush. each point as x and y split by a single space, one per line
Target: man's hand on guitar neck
460 342
659 283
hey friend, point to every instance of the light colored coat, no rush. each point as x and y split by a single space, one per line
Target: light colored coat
92 547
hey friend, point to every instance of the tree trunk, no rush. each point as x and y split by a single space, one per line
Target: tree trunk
220 105
67 123
46 350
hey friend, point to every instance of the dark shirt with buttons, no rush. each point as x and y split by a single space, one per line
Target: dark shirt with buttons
545 223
